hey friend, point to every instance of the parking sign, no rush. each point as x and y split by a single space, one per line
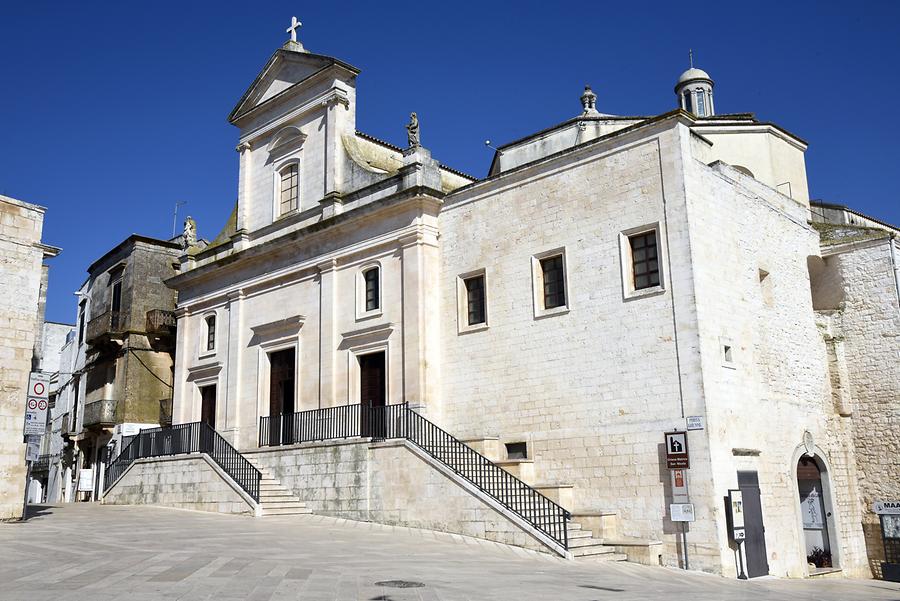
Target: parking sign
36 403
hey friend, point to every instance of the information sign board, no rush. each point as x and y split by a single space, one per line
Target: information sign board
682 512
886 507
677 451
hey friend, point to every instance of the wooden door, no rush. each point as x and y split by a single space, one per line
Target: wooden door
208 405
372 394
281 395
755 541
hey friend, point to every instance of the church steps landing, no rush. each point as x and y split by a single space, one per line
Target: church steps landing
276 499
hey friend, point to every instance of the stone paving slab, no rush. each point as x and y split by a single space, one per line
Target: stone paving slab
93 552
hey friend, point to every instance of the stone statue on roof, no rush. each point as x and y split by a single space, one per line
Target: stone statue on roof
412 131
189 236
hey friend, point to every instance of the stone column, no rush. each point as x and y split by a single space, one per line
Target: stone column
233 370
182 405
420 269
327 332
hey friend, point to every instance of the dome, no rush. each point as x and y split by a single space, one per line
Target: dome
692 74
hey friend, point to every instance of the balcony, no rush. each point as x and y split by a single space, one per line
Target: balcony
100 413
106 325
160 322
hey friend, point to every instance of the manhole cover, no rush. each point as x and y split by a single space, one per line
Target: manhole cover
399 584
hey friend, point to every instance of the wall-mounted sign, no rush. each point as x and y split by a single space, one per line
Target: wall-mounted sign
694 422
36 403
682 512
886 507
677 451
679 486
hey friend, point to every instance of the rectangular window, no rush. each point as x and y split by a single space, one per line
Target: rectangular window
372 289
81 317
475 304
289 189
554 282
701 104
644 260
211 333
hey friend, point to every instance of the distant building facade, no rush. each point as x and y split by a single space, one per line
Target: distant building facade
116 368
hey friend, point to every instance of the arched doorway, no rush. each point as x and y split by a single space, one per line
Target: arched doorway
817 514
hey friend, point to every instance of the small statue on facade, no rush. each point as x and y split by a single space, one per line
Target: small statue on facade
189 236
412 131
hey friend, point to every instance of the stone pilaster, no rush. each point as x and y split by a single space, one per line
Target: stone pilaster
234 366
327 332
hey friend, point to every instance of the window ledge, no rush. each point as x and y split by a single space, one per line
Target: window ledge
472 329
369 315
207 354
551 312
645 292
288 214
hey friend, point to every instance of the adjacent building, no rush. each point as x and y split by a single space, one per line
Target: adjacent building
24 278
116 367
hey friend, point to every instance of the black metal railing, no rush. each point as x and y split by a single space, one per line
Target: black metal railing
181 439
399 421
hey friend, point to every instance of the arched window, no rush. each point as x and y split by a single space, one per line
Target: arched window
688 105
211 333
701 103
289 189
373 294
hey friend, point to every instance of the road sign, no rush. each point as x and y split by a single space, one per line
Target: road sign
694 422
32 448
36 403
679 486
886 507
682 512
677 451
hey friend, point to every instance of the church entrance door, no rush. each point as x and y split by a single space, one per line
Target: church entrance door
281 395
372 394
814 507
208 405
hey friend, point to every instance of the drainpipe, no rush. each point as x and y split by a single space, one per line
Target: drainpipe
894 266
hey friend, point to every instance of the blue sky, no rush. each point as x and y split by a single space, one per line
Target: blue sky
113 112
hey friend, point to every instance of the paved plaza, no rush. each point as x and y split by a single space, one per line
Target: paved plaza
93 552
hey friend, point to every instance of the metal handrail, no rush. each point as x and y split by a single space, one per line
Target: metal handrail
399 421
181 439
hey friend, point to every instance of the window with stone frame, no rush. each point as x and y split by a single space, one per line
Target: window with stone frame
476 313
290 189
211 333
644 260
373 292
701 103
553 281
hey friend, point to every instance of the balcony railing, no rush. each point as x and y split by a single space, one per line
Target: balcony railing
100 413
105 324
160 321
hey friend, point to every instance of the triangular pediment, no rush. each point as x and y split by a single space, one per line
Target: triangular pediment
283 71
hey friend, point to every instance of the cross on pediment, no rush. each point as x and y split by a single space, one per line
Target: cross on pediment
295 25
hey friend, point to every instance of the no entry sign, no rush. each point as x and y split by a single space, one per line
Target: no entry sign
36 404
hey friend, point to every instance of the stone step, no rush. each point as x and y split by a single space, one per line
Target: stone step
578 534
587 541
573 526
290 503
596 548
286 511
285 496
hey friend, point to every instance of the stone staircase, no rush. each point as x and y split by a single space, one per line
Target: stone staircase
275 499
582 542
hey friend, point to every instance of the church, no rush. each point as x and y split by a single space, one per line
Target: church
383 338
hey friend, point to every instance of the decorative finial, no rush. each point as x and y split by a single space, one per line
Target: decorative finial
589 101
412 131
295 25
691 55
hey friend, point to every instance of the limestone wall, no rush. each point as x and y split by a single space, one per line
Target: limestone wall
389 484
186 482
868 322
20 279
749 251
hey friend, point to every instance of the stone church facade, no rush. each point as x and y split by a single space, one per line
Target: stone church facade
611 277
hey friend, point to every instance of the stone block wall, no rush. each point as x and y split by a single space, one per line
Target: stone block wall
386 483
186 482
20 280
